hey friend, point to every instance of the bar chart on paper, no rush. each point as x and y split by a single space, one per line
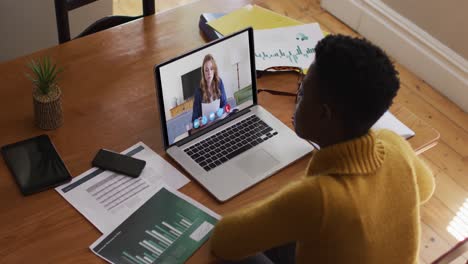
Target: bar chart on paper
166 229
162 236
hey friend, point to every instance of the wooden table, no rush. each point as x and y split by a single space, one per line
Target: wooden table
110 102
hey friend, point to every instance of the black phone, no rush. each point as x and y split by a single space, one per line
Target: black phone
120 163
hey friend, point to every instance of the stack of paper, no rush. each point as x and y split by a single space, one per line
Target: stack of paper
251 16
106 198
144 219
279 40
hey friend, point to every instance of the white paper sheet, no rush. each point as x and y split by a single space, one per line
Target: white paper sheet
389 121
286 46
106 198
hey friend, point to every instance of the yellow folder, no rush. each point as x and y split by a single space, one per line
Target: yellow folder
251 15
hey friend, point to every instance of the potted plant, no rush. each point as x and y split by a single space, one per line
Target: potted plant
47 96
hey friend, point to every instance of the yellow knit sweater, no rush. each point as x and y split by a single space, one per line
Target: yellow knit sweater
358 203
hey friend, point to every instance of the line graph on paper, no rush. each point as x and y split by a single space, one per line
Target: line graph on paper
298 57
286 46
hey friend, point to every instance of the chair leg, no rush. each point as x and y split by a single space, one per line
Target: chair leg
63 26
148 7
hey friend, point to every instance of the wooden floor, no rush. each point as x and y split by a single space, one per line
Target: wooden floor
448 160
134 7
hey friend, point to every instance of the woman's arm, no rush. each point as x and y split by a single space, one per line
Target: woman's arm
197 111
290 215
223 100
424 179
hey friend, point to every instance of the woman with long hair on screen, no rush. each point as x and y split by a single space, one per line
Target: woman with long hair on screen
211 95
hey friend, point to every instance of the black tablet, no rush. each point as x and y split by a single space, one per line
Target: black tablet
35 164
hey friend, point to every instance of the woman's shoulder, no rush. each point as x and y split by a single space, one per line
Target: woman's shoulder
220 83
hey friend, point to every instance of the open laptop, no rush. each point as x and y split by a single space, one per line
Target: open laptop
226 142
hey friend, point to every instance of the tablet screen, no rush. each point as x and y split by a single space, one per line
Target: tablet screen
35 164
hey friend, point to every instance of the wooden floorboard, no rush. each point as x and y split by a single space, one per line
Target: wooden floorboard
432 245
445 158
134 7
434 98
448 160
450 132
438 216
448 191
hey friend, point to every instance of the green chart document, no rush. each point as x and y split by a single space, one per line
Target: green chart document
168 228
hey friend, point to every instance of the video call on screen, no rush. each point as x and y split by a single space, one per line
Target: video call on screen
206 86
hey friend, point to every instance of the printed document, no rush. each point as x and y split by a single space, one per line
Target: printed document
168 228
106 198
286 46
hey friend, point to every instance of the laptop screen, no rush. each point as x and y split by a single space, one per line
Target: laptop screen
203 87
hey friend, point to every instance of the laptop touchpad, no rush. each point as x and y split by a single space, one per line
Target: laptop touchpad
257 163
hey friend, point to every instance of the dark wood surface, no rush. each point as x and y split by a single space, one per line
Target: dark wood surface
109 102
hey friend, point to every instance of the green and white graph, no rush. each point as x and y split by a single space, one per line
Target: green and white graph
168 228
292 56
286 46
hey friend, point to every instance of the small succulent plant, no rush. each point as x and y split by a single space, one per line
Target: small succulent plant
44 74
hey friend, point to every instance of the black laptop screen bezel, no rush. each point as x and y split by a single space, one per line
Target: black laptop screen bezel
159 92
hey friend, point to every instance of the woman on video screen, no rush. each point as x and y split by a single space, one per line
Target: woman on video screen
211 95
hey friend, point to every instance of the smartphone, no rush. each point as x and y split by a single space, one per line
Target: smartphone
120 163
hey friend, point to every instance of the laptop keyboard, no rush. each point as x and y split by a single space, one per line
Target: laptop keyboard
230 142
